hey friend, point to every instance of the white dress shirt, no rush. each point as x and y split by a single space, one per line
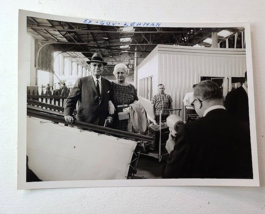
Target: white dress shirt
99 80
188 99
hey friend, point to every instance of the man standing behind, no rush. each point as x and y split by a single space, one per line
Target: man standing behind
92 94
188 98
64 90
162 102
215 146
236 102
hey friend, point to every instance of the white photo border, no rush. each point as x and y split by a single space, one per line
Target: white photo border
23 68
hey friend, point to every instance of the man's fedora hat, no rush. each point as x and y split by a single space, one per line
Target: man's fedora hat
97 58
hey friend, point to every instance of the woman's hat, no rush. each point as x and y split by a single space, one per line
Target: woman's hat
97 58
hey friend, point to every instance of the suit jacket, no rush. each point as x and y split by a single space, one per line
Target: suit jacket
236 104
215 146
92 107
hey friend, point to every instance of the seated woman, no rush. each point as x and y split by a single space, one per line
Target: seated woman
123 95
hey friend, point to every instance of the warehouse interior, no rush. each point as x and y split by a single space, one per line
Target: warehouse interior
61 51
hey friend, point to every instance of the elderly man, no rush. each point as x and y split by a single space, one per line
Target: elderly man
215 146
162 102
92 94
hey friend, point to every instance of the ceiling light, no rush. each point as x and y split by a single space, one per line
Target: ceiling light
224 33
128 39
124 46
128 29
198 46
208 40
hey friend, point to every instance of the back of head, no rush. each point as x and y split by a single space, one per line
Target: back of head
208 90
208 94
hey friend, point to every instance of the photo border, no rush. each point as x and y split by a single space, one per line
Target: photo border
23 67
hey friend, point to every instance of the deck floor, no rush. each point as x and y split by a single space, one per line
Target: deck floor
149 168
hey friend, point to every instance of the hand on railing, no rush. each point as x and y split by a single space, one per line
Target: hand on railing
69 119
108 121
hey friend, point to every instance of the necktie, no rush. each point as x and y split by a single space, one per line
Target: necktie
98 87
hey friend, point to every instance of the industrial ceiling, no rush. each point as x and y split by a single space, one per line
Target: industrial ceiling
119 44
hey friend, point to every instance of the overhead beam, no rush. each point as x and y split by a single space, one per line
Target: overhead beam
51 35
94 39
105 46
33 20
50 22
41 35
111 31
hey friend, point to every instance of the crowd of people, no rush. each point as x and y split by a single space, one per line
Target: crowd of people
62 90
217 145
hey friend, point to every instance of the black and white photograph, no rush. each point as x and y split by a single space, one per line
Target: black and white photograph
116 103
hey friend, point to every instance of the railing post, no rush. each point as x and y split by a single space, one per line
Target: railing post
42 93
33 93
46 94
50 98
37 94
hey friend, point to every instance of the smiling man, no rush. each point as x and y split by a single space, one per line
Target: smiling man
215 146
92 94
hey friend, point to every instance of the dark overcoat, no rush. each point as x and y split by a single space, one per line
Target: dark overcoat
215 146
92 107
236 103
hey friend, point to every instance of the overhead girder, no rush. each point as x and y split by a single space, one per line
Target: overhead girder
88 39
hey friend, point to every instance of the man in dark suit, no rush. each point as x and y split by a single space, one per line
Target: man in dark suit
215 146
92 94
236 102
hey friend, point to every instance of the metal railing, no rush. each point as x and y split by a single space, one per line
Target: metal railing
55 97
58 118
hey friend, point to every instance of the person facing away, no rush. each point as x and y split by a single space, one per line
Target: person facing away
48 89
236 102
123 94
161 102
92 94
215 146
64 90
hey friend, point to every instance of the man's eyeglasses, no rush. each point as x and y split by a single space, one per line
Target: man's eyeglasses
192 104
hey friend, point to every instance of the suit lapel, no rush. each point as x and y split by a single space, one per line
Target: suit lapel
92 83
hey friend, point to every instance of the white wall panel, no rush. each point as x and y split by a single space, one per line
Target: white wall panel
149 68
181 67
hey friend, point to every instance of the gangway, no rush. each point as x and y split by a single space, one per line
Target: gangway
54 115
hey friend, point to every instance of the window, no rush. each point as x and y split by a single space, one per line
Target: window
145 88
